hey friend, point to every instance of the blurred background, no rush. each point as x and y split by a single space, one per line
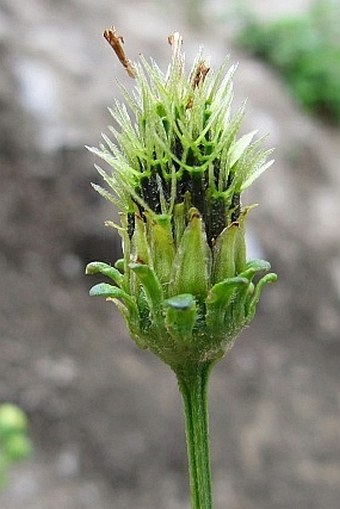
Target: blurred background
105 419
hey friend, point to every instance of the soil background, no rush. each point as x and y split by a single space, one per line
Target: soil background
105 418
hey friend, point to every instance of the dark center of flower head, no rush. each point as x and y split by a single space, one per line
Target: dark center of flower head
197 184
193 189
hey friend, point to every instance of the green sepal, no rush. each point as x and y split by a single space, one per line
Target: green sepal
236 315
223 254
192 263
180 317
245 297
119 265
220 297
105 290
140 252
113 293
161 245
152 288
255 266
126 245
106 270
240 250
251 307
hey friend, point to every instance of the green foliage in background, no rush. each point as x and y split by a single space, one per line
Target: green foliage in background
15 444
306 50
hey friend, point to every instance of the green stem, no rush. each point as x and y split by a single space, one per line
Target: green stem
193 386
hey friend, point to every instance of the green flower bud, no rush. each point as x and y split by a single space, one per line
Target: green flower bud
184 286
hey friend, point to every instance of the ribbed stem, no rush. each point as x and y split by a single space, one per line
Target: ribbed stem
193 387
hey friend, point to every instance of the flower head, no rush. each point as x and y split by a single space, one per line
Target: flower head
178 170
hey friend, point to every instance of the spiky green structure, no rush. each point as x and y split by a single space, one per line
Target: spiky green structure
184 286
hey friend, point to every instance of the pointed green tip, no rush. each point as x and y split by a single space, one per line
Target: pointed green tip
103 290
106 270
271 278
258 265
91 268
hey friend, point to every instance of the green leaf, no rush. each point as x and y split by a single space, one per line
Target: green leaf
153 289
251 307
16 447
12 420
112 293
253 267
220 297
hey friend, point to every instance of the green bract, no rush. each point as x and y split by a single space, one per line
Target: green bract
184 286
